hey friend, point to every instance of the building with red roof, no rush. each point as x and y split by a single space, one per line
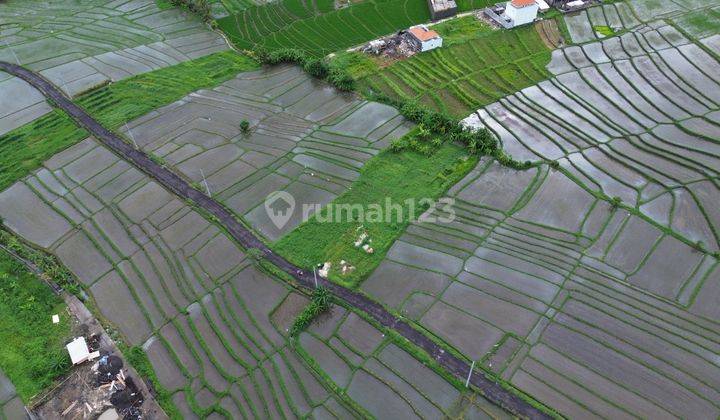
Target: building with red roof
426 39
522 12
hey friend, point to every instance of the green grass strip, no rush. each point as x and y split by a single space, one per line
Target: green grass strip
401 176
26 148
32 354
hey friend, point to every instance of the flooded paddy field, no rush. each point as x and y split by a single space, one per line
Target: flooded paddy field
592 309
11 406
589 281
214 326
305 138
80 46
633 117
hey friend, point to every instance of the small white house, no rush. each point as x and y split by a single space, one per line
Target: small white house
425 38
522 12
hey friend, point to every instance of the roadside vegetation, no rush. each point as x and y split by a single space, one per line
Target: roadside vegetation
319 303
24 149
397 176
32 353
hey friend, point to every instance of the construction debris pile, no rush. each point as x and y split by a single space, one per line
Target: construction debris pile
363 241
399 45
97 388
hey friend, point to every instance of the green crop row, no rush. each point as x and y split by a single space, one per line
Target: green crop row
463 77
319 29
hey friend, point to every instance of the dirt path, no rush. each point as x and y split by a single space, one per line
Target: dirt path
492 390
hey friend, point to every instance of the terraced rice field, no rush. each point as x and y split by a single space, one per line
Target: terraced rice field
11 406
634 117
583 25
26 148
306 139
82 46
462 77
598 307
317 27
591 309
212 325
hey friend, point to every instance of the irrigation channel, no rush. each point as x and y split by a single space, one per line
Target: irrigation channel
491 389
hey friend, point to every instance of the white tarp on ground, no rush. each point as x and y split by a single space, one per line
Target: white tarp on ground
78 350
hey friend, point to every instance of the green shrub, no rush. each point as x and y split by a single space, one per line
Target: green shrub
320 303
198 7
442 126
245 126
316 68
341 79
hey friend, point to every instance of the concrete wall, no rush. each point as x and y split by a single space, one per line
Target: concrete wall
523 15
431 44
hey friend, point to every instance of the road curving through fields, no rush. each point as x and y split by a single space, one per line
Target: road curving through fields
491 389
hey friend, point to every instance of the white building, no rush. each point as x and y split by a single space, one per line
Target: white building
521 12
425 38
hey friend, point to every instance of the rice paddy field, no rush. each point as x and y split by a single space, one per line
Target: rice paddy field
213 325
317 27
83 45
590 283
464 76
305 138
632 117
25 148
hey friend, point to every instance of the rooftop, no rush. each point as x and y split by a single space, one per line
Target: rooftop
423 34
522 3
443 4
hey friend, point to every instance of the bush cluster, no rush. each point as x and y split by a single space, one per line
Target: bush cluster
46 263
434 128
316 67
320 303
199 7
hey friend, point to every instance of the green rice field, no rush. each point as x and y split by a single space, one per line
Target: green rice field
316 27
463 77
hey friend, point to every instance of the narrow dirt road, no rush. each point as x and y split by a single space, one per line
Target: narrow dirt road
492 390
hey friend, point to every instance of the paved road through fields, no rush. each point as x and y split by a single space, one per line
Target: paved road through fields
491 389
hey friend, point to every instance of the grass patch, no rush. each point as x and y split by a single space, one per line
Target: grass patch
32 353
164 4
462 29
467 5
604 30
320 303
406 175
26 148
356 64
